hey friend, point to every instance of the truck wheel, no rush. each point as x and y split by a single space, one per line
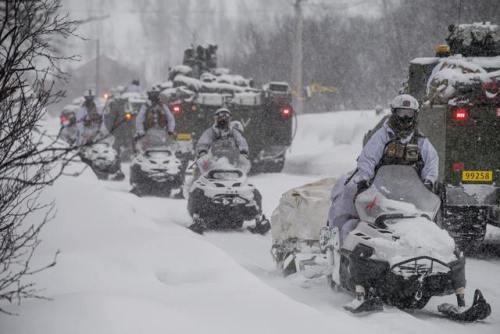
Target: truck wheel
469 245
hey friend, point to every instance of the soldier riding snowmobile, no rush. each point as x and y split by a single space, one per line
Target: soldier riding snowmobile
397 142
220 196
156 168
396 254
96 150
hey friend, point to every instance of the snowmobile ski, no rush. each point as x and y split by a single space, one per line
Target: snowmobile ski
370 304
262 226
479 310
198 226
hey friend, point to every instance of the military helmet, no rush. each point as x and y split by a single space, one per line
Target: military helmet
404 109
222 117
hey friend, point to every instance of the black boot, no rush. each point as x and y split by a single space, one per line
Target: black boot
361 303
198 225
479 310
118 176
262 225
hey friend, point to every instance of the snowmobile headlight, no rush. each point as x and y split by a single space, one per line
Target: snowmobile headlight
238 200
363 251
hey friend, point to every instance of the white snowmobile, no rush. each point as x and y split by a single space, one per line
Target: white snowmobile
156 168
396 250
221 197
103 159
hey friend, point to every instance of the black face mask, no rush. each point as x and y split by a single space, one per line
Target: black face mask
402 126
222 123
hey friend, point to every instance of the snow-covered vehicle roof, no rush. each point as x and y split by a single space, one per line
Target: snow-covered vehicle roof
476 39
277 86
211 99
485 62
200 80
455 71
247 99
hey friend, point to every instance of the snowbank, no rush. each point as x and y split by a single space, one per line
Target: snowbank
128 265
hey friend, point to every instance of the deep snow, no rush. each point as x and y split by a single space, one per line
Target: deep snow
129 265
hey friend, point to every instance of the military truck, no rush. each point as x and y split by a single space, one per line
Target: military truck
459 93
198 87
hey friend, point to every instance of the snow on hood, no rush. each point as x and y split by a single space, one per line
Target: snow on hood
418 236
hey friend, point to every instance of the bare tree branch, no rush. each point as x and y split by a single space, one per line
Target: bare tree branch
29 158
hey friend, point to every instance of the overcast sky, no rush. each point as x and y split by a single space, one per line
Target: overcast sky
122 36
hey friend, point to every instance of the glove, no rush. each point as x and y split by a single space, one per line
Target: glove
201 153
429 185
171 133
244 153
138 135
362 186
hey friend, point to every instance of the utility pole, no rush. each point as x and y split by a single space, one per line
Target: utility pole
97 55
297 58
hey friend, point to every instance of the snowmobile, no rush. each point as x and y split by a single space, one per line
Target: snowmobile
221 197
103 159
397 250
156 168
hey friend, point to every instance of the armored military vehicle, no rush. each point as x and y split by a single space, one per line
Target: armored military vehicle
198 87
460 114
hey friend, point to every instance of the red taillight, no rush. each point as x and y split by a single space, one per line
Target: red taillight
286 112
461 114
176 109
458 166
491 86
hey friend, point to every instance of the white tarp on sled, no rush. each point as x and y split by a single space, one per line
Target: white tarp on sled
302 211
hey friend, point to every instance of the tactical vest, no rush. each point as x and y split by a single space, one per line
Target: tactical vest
224 145
155 117
93 118
398 153
219 134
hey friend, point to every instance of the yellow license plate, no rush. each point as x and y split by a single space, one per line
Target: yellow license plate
477 175
184 136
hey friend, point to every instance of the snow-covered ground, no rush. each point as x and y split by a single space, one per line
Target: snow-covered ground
129 265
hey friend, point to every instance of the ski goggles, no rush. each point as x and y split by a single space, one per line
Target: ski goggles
400 112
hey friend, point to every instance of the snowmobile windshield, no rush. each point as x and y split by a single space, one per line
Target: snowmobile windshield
225 174
158 153
396 189
225 148
224 155
156 138
210 162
